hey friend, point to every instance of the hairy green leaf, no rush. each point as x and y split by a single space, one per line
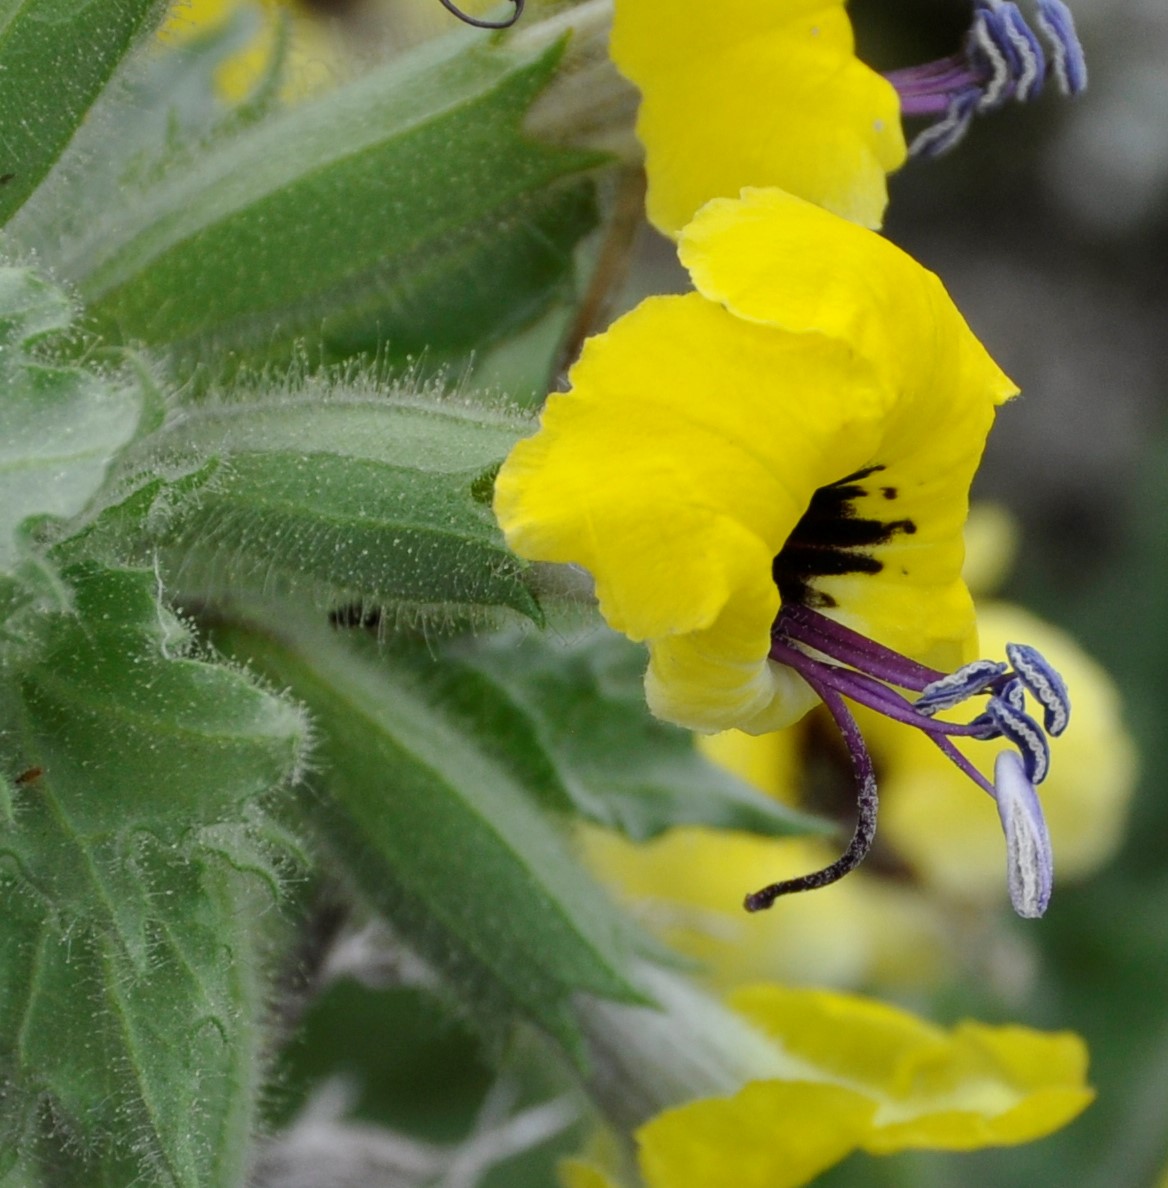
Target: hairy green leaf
55 58
442 838
404 212
59 426
568 717
348 497
138 885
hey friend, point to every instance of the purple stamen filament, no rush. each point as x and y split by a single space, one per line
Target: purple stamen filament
929 89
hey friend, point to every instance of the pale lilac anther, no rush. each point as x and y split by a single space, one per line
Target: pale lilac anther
956 687
1044 682
1067 61
1025 733
1029 863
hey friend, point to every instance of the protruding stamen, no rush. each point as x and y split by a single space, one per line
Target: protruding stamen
1029 865
957 687
1049 689
1069 65
1002 59
1025 733
839 663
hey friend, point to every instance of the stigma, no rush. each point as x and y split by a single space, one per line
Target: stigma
1002 59
843 666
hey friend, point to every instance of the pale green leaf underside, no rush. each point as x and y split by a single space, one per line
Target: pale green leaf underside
131 989
55 58
344 499
405 208
59 426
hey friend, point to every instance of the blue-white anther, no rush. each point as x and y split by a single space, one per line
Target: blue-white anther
1028 59
1048 688
1025 733
988 36
1067 61
1009 51
1013 693
937 139
1029 863
948 691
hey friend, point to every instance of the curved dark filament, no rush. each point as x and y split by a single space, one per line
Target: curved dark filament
478 23
866 804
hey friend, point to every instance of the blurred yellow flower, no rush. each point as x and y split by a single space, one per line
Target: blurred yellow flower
853 1074
758 94
314 49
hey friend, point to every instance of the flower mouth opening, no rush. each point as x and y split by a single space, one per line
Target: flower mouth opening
842 665
830 540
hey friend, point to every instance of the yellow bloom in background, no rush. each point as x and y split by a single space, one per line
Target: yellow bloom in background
687 886
834 1073
315 49
719 451
756 94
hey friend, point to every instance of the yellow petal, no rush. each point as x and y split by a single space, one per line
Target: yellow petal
756 94
674 471
578 1173
973 1087
771 1134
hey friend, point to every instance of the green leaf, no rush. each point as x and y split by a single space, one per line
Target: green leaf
162 108
56 56
59 426
138 883
346 497
567 715
403 212
443 840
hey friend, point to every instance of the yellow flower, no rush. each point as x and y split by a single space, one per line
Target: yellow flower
687 886
313 53
834 1073
759 94
803 429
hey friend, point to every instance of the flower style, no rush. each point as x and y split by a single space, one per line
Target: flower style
768 479
798 1079
1002 60
763 94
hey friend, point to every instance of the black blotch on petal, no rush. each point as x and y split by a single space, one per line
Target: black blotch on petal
831 540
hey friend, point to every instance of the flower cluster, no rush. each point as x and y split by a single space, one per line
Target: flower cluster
767 479
776 508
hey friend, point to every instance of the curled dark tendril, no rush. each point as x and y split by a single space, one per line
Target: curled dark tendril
467 19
